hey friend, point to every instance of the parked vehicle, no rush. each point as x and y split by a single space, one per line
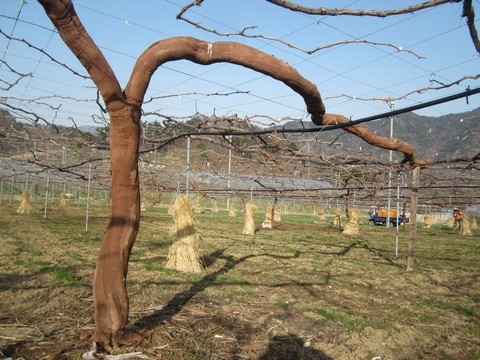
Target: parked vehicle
380 217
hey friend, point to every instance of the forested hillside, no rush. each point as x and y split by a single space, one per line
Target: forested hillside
448 136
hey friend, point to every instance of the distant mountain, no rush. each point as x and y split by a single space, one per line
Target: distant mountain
89 129
448 136
444 137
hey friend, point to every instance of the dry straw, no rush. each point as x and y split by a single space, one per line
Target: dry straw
269 213
63 199
25 207
276 214
352 228
268 222
171 208
184 251
465 227
427 221
320 213
337 220
474 224
451 222
249 228
215 206
232 212
198 207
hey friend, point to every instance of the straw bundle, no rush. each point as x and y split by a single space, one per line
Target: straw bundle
276 214
63 199
427 222
269 215
337 220
184 251
320 213
215 206
352 228
24 207
451 222
198 207
465 227
249 228
474 224
232 212
171 208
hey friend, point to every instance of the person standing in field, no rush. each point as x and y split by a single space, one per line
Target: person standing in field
457 215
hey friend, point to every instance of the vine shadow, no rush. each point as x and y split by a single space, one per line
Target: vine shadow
291 347
176 304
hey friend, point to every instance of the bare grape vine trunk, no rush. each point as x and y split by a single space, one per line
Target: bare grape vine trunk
124 109
109 290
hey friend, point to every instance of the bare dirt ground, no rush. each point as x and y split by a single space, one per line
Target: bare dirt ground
300 291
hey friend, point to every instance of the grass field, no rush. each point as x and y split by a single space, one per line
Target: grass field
300 291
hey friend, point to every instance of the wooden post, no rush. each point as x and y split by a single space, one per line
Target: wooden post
413 218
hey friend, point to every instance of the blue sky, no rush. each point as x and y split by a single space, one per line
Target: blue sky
348 77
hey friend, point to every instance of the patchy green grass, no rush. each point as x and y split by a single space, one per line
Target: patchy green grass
63 275
347 321
303 280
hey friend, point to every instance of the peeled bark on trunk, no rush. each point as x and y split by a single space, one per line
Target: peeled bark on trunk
249 228
205 53
109 290
369 137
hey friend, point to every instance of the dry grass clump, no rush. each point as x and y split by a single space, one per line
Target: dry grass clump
249 228
451 222
25 206
63 199
427 221
198 207
352 228
232 212
320 213
171 208
474 224
465 227
276 214
269 215
337 220
183 254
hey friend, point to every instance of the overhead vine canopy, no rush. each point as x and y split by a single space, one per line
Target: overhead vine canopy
359 58
363 60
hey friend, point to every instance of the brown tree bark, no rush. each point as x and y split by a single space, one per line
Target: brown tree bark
109 290
369 137
124 108
205 53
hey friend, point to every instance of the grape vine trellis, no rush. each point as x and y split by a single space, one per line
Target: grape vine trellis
277 155
275 171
